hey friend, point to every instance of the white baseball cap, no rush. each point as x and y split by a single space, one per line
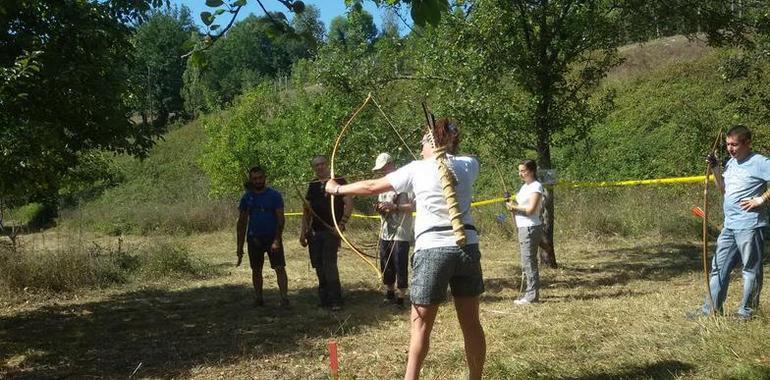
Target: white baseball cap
382 160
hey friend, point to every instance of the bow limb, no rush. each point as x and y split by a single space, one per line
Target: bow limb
706 277
332 197
513 221
502 179
355 249
505 189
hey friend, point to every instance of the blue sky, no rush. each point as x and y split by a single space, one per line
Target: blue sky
329 9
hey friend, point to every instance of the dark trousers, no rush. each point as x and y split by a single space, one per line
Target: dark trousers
323 256
394 262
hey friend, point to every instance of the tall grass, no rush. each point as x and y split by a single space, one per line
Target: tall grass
23 215
76 266
625 212
164 260
651 55
640 212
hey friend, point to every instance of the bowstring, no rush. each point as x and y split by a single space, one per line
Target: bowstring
334 150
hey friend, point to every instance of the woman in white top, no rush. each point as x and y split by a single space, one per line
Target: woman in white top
527 209
437 262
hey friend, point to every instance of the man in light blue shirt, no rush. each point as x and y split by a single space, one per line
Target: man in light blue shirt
744 185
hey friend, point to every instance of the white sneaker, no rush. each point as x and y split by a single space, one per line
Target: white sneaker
522 301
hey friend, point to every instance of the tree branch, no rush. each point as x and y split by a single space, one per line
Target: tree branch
229 25
268 13
396 10
234 12
421 78
525 27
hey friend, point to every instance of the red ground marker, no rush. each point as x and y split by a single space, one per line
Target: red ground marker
698 212
333 363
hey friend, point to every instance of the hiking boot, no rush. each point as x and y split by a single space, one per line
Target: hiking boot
743 317
259 302
400 303
695 315
285 303
390 297
523 302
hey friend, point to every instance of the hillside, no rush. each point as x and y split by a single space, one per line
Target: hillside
643 58
671 97
165 193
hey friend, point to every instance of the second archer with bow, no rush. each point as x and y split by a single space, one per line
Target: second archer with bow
743 183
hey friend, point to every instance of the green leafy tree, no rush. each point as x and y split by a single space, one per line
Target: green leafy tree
255 49
12 80
422 11
528 70
156 73
73 102
355 29
354 61
308 24
198 97
276 130
557 51
390 24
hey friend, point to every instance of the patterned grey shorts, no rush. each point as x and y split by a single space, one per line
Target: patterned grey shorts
435 268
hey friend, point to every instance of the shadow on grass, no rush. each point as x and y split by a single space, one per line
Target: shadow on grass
498 284
172 332
658 262
548 298
605 269
608 294
666 369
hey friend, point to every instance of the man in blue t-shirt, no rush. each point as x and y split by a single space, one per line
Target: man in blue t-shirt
261 209
744 185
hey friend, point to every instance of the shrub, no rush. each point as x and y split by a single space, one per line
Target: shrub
64 269
166 260
76 266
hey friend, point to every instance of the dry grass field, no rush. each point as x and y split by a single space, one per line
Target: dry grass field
613 310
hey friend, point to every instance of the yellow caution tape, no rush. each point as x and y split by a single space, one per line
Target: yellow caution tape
659 181
572 185
489 201
292 213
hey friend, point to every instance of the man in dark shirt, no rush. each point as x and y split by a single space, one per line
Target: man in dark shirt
261 208
319 235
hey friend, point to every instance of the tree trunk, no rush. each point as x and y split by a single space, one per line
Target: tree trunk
162 118
547 251
46 216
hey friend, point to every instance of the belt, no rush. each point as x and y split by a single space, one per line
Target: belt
445 228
